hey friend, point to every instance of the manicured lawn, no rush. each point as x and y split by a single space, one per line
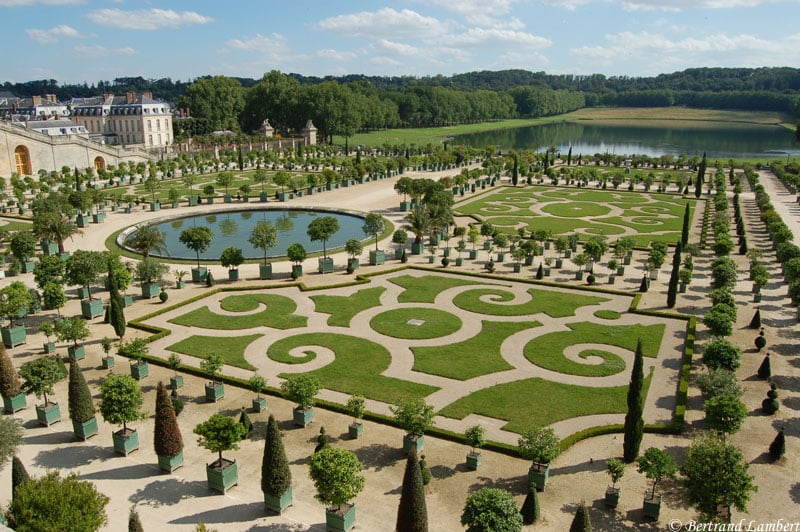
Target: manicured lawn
547 350
480 355
415 323
230 348
356 370
608 314
278 314
554 304
343 308
537 401
425 288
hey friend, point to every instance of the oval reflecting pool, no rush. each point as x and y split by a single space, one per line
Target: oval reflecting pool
233 228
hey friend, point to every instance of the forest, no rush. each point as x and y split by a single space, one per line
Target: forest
344 105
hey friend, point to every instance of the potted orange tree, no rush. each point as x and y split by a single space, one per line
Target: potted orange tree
258 384
121 403
301 389
355 407
476 437
540 445
655 464
415 417
336 475
218 434
38 377
211 366
615 469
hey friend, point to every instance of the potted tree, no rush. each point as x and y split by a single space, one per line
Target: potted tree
179 275
264 236
374 225
473 236
121 403
615 469
48 329
83 268
150 272
108 360
23 247
655 464
684 278
355 407
73 330
301 390
415 417
353 247
276 477
15 299
540 445
337 478
580 260
612 265
322 229
232 258
296 253
38 377
81 406
174 362
135 350
198 239
258 384
167 439
476 438
218 434
399 237
10 388
212 366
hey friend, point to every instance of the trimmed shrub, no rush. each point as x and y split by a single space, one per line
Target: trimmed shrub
530 508
765 369
720 353
778 446
412 513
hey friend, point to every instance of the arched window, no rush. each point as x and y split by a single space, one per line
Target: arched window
99 164
23 160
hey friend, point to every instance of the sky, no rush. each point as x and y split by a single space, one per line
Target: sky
76 41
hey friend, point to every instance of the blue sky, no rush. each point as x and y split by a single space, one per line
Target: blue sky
87 40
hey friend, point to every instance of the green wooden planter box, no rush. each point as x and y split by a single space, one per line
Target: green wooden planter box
337 520
473 254
14 336
325 265
405 206
14 403
280 503
265 271
651 507
473 460
297 270
353 264
82 221
49 248
78 352
303 417
398 253
98 218
215 391
199 274
91 308
538 476
193 200
140 370
227 198
170 463
49 347
612 497
127 301
431 258
48 414
125 444
176 381
487 245
233 274
222 478
259 404
517 267
86 429
376 257
263 197
579 275
109 362
150 290
416 248
413 441
459 261
354 430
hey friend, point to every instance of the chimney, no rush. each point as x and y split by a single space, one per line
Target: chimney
51 98
130 97
147 94
37 100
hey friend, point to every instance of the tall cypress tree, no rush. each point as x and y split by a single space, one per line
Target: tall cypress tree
672 287
685 229
116 316
634 424
412 514
701 176
581 522
276 477
530 508
515 170
79 398
19 474
167 438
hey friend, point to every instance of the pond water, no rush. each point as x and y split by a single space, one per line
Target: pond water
717 139
233 229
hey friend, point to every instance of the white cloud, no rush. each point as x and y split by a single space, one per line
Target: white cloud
146 19
53 34
386 23
272 44
97 51
497 37
680 5
14 3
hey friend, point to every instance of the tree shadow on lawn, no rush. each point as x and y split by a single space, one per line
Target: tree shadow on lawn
71 457
238 513
169 491
378 455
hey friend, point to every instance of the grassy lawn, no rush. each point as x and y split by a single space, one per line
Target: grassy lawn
231 348
356 370
608 314
554 304
434 323
540 402
278 314
480 355
343 308
547 350
14 225
425 288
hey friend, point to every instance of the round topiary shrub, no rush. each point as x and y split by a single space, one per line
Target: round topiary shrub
163 296
770 405
760 341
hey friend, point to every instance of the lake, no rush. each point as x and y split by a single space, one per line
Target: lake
719 140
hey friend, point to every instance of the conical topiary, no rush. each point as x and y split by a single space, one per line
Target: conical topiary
244 419
581 521
755 323
19 474
276 477
134 523
645 284
412 514
210 279
167 438
765 369
540 272
79 398
322 440
778 446
530 508
9 379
